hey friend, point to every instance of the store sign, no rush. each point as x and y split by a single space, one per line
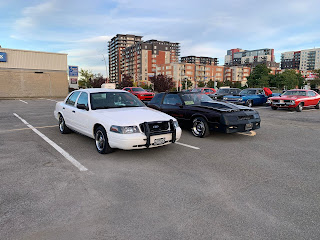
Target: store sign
73 80
73 71
3 57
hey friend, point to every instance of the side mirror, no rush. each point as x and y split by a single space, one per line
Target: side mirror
83 106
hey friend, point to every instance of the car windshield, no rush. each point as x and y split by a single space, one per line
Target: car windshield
104 100
195 98
299 93
248 92
222 91
196 90
138 89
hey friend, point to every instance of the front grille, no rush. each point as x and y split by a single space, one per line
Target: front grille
287 101
245 117
157 127
275 101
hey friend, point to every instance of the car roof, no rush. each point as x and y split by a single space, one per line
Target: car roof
303 90
95 90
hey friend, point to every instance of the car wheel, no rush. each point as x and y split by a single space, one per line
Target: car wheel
200 127
62 126
274 107
101 139
318 105
299 107
249 103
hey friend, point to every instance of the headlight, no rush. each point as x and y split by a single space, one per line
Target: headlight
240 99
225 98
292 101
125 129
175 124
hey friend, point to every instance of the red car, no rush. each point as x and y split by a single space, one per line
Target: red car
296 99
140 93
204 90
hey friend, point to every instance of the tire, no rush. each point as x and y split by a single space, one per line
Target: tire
200 127
299 107
62 126
318 105
274 107
101 141
249 103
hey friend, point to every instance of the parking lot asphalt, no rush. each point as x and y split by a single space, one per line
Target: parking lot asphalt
262 184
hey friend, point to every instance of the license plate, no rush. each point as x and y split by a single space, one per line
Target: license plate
248 126
159 141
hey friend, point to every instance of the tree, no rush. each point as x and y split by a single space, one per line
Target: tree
259 77
97 81
316 81
162 83
127 81
201 84
85 76
189 84
210 84
290 79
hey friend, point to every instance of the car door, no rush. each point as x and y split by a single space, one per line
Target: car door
156 101
81 116
312 100
261 97
69 108
172 105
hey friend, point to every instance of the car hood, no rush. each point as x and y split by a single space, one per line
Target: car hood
131 116
223 106
235 96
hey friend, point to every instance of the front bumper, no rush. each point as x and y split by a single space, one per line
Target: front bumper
251 125
284 105
140 140
145 98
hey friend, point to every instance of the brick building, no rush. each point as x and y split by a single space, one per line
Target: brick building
200 60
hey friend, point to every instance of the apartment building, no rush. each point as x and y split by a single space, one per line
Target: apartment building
250 58
115 47
141 59
200 60
191 71
304 60
237 74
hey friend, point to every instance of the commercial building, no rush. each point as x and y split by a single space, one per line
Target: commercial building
115 47
200 60
250 58
32 74
141 59
190 71
304 60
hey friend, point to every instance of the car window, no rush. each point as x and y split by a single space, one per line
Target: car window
172 99
157 99
260 92
83 99
72 99
311 94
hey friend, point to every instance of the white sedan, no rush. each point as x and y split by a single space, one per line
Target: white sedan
115 119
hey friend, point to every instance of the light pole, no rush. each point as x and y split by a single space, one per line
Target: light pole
105 63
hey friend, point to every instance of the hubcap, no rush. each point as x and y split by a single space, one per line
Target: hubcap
198 128
100 141
61 125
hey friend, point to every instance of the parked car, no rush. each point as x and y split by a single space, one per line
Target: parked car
203 114
115 119
223 92
204 90
249 97
140 93
296 99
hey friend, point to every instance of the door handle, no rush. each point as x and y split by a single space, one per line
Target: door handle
73 111
63 108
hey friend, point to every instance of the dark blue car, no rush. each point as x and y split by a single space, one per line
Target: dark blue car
248 97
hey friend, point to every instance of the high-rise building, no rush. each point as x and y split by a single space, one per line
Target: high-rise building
250 58
304 60
237 74
141 59
200 60
115 47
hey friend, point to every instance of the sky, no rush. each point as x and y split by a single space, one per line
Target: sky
203 27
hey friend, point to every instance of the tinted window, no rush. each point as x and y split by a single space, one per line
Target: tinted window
172 99
248 92
83 99
157 99
311 94
72 99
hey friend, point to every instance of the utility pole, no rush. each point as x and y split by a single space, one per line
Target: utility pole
105 63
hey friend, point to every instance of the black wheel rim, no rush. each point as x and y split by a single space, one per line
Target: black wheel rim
100 140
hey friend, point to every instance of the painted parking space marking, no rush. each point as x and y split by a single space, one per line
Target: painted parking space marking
23 101
54 145
22 129
250 134
52 100
186 145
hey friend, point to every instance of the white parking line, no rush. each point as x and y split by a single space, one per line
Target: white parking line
186 145
52 100
23 101
54 145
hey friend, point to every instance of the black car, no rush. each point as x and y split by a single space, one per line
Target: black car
203 114
223 92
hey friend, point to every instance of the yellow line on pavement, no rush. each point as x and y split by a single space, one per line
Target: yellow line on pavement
21 129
